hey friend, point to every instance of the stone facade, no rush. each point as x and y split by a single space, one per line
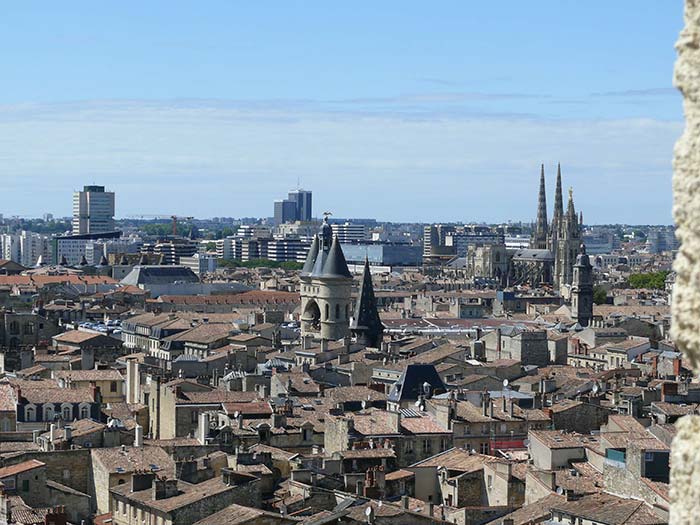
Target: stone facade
685 458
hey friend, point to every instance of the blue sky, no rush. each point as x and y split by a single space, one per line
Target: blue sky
425 111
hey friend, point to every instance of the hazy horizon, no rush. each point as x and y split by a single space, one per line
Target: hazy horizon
398 111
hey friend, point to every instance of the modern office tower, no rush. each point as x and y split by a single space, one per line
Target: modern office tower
296 207
93 210
285 211
303 201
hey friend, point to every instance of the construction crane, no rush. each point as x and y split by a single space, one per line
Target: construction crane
175 218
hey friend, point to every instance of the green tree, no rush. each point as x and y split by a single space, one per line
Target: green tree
652 280
600 294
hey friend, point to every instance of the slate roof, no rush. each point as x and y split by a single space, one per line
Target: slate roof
149 275
411 383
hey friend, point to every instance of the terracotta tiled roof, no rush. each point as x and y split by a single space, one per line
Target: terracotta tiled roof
13 470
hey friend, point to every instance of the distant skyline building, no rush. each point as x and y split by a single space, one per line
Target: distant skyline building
296 207
304 204
285 211
93 210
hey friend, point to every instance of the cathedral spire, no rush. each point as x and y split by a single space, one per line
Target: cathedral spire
366 324
558 201
570 210
540 237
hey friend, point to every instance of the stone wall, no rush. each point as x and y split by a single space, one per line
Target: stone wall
68 467
685 459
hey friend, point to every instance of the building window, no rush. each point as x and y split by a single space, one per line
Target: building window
30 414
67 413
14 328
484 448
426 446
29 329
337 311
25 485
113 386
328 312
194 417
84 412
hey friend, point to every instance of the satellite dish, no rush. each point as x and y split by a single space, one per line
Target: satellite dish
560 491
369 511
505 383
595 388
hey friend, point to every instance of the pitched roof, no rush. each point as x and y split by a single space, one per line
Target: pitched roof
128 459
13 470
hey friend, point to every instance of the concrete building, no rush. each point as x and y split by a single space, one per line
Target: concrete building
93 210
199 263
73 247
349 232
26 248
289 249
172 249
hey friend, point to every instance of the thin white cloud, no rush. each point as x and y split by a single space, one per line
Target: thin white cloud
232 158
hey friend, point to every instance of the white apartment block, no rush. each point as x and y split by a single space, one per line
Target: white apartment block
93 210
26 248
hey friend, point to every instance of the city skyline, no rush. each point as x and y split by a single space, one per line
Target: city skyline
410 112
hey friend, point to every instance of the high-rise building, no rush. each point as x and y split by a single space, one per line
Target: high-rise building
285 211
93 210
303 201
26 248
296 207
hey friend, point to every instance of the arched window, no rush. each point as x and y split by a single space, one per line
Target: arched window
337 311
48 413
67 413
84 412
30 413
328 312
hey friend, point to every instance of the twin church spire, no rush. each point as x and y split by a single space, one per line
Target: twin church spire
562 236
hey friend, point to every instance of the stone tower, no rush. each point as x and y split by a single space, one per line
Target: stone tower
567 245
540 235
582 289
366 325
558 214
326 284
